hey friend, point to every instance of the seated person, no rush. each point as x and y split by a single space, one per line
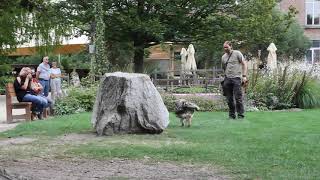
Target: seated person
22 86
36 89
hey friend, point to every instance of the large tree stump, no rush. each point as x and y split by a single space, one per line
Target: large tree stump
128 103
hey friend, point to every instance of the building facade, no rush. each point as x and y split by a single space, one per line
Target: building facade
309 18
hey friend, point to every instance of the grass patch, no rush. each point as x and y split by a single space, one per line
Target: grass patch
266 145
77 123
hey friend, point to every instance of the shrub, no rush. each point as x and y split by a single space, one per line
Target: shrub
88 82
169 101
191 90
78 100
206 104
3 81
82 99
35 59
285 88
309 96
203 102
5 77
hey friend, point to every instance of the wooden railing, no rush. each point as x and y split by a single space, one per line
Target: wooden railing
200 77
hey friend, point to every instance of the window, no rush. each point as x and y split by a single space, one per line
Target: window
313 12
177 56
313 54
316 43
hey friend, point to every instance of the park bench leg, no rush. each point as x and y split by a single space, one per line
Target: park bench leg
28 113
45 113
9 115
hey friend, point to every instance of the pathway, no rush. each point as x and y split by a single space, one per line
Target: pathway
3 115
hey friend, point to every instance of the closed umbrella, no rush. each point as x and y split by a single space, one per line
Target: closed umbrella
272 57
191 61
183 55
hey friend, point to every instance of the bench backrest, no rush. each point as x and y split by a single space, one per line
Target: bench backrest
10 90
10 94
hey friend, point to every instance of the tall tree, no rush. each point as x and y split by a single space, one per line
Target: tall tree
141 22
146 21
101 61
26 20
252 23
12 15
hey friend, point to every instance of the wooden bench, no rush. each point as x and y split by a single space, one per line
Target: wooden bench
10 105
10 94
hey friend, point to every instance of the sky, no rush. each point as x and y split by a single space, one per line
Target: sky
80 40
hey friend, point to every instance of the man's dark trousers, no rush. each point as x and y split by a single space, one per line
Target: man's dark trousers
233 91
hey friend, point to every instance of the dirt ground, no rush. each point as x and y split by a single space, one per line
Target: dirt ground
68 168
36 168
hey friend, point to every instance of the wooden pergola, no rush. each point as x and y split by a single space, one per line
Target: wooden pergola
62 49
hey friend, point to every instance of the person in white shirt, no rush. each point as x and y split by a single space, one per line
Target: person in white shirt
43 75
55 75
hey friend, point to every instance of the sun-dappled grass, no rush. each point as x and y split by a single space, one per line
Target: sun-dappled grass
266 145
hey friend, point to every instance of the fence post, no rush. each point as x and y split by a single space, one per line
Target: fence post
155 79
194 77
206 79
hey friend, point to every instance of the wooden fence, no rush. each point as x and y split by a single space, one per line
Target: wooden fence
194 78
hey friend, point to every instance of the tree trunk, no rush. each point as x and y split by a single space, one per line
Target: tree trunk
138 59
139 41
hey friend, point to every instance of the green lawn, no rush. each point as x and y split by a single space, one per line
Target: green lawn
266 145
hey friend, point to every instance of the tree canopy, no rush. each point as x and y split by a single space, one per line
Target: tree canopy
138 24
252 26
25 20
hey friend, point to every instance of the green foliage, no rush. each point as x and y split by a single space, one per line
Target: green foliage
3 81
120 54
125 68
253 25
24 20
204 103
283 89
169 101
11 19
5 77
141 22
5 69
101 64
294 44
77 100
88 82
309 96
35 59
78 61
191 90
207 104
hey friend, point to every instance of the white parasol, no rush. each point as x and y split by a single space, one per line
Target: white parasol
191 62
183 54
272 57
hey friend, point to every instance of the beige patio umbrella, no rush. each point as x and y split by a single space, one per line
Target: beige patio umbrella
183 55
272 57
191 61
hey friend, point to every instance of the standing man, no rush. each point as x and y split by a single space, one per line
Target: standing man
235 70
43 74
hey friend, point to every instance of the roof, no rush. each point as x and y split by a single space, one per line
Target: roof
162 52
63 49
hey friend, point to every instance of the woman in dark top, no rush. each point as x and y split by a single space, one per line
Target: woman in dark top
22 86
